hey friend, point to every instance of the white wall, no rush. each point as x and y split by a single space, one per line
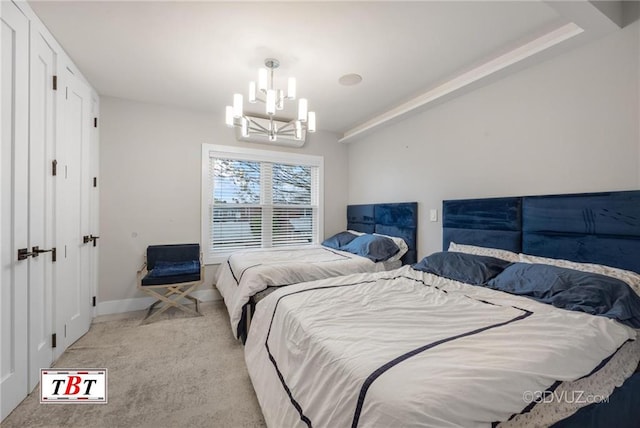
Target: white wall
150 187
567 125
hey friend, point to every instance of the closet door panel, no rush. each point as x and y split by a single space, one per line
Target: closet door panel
41 206
72 213
14 210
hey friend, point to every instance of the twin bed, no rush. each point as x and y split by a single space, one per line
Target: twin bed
248 276
441 343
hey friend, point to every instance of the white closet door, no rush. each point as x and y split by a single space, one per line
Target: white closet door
73 267
41 206
14 211
94 218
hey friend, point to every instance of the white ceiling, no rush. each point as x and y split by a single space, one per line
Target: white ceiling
195 55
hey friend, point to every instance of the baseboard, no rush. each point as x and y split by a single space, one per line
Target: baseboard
139 303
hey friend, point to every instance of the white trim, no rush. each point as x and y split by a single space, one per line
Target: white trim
262 155
139 303
205 187
258 156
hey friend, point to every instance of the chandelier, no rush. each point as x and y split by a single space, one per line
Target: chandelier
265 92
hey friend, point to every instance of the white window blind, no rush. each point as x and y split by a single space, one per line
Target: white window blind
258 199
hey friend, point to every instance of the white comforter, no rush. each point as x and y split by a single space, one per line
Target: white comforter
405 349
246 273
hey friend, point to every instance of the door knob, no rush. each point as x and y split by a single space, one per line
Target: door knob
94 239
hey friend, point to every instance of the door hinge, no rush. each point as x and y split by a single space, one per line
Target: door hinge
95 122
54 254
95 181
55 83
93 301
53 340
54 168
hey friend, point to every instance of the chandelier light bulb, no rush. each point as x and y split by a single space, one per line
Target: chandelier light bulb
237 106
262 79
302 109
229 116
280 100
252 92
311 123
298 130
291 88
245 127
271 102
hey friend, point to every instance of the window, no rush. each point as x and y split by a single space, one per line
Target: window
258 199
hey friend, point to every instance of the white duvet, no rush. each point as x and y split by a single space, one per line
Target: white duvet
246 273
408 349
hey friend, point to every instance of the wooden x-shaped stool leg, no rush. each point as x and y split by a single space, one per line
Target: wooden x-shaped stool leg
171 298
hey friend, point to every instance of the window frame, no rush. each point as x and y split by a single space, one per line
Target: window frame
249 154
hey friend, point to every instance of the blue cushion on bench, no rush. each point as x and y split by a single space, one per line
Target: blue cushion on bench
162 280
165 268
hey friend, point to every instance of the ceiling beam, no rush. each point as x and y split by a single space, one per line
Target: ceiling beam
465 79
589 19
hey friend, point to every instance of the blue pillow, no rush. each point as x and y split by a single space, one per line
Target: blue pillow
163 268
463 267
572 289
338 240
374 247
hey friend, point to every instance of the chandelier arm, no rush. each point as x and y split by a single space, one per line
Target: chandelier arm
287 126
258 130
259 127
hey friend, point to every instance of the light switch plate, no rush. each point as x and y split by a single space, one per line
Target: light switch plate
433 214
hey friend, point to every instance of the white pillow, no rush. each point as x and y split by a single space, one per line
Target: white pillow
484 251
631 278
400 243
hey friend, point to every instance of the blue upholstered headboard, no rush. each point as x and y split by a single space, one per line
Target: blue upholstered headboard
394 219
493 222
602 228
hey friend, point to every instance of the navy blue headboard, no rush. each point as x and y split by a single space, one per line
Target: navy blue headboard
602 228
492 222
394 219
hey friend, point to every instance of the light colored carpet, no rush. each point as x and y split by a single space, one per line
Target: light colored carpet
179 371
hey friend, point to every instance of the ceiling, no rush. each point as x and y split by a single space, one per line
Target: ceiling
196 55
